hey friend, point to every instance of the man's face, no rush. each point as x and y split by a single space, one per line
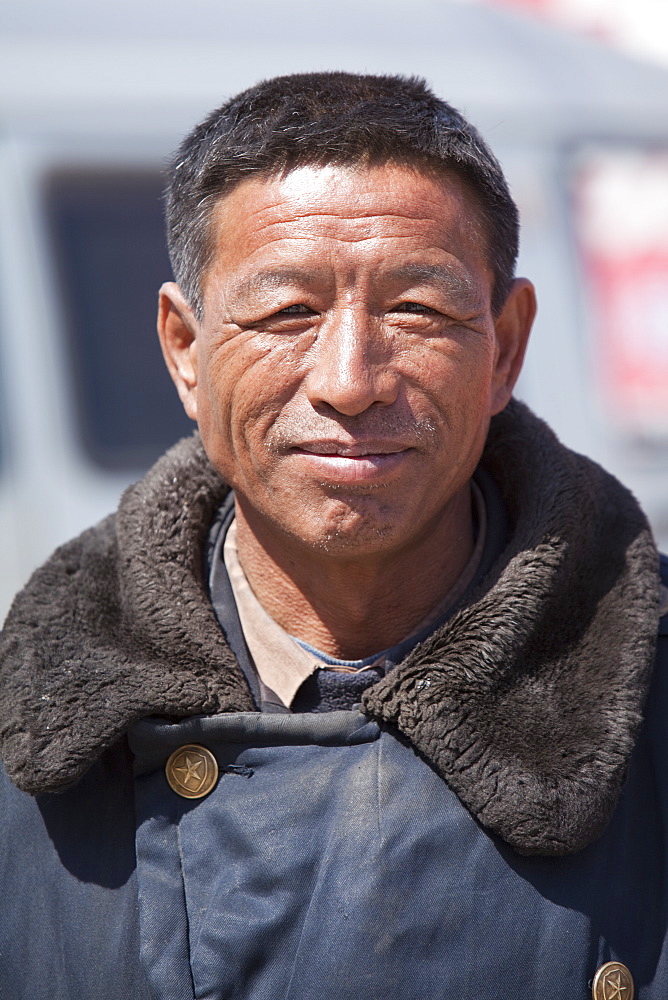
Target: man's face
348 363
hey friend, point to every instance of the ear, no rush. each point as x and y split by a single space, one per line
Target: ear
177 329
512 327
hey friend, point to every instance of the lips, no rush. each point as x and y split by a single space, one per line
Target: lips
339 463
356 449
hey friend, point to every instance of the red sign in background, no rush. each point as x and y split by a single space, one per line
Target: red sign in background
624 245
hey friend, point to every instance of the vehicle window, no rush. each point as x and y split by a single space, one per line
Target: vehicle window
107 235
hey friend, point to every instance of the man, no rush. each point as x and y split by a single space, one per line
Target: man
346 699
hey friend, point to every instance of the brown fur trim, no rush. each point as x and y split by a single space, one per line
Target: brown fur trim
528 701
116 626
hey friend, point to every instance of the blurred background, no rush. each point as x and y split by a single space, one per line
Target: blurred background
571 94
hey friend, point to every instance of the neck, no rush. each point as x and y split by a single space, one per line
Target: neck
351 607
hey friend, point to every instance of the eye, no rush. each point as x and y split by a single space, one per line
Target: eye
297 310
412 307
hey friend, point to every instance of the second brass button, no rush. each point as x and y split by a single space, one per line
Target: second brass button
613 981
192 771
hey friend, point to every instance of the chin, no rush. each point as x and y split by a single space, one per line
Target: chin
359 525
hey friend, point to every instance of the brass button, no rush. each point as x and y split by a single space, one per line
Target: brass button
613 981
192 771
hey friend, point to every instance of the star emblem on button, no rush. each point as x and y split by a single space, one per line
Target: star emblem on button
192 771
613 981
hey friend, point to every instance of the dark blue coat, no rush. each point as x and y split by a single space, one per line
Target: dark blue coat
330 861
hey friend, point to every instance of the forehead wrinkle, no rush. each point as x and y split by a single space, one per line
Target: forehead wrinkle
347 214
343 239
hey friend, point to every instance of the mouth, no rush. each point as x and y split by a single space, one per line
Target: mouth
353 449
361 462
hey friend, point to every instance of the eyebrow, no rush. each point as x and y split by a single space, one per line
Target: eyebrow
434 274
459 284
266 280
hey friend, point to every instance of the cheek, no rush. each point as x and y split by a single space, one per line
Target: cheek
243 386
453 376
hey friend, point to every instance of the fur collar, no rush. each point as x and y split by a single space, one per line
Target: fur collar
527 701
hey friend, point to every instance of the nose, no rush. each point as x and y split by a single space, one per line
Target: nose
350 368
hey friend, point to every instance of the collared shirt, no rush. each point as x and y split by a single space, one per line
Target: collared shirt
282 662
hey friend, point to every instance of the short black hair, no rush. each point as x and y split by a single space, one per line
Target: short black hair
329 118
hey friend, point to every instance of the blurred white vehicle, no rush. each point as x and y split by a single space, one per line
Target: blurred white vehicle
88 115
